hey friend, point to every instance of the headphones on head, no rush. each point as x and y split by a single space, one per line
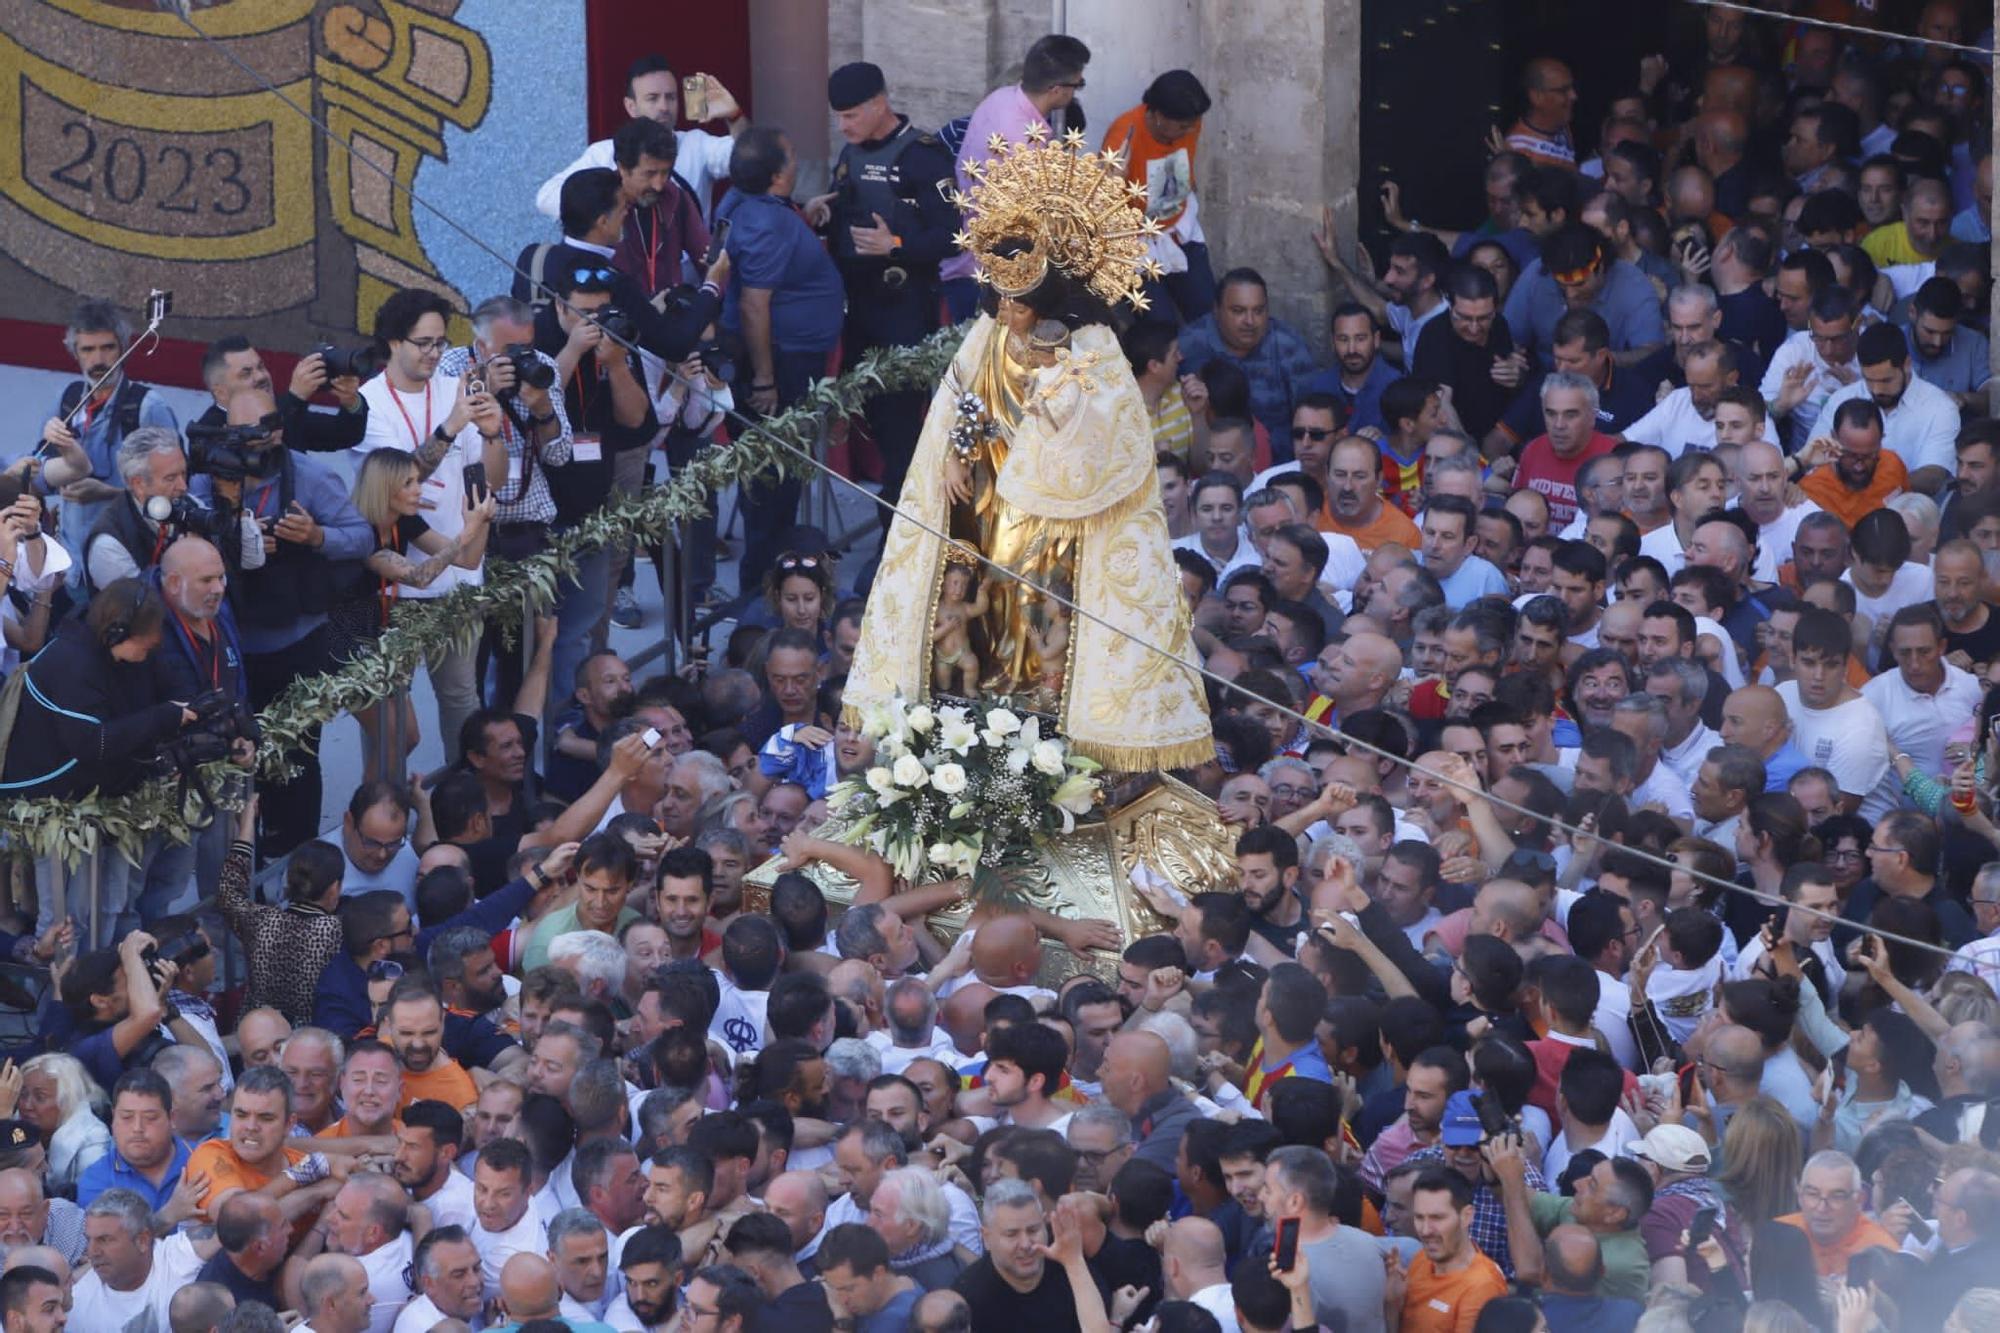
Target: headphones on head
127 601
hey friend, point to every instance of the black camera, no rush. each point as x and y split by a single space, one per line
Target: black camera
360 362
715 359
219 722
529 370
182 951
231 453
617 325
188 515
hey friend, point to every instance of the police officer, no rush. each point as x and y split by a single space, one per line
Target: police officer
890 223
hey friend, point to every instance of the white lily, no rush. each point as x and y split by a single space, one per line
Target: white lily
956 734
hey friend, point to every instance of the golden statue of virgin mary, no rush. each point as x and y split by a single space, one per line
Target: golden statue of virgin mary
1037 455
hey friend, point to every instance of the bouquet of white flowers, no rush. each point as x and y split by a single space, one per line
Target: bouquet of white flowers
960 790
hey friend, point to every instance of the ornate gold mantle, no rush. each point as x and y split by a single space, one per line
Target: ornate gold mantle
1086 874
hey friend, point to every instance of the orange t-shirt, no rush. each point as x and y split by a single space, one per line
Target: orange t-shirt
1435 1302
445 1081
226 1171
1850 507
1391 525
1166 170
1831 1260
340 1129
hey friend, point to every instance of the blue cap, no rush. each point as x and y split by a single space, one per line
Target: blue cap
1461 1121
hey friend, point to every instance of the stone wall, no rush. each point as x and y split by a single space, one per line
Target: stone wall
1279 143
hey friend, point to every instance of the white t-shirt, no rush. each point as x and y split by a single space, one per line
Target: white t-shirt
388 1267
739 1021
1664 545
1664 786
530 1235
420 1316
1613 1018
452 1204
1774 540
400 421
1677 426
1753 954
1617 1134
1912 584
400 874
1849 741
1919 724
1686 758
1821 382
95 1306
1246 556
1921 429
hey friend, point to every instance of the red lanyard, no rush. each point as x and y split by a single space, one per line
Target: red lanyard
582 398
213 646
416 440
652 246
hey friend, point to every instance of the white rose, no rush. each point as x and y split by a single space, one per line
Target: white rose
909 772
1047 757
880 780
921 719
949 779
943 855
1002 722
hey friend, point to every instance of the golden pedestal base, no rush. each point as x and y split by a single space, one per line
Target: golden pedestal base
1086 874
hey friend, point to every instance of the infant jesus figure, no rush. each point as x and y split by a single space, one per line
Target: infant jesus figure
954 664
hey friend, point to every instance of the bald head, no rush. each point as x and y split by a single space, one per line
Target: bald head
247 407
1007 951
327 1277
1150 1058
1622 617
199 1307
940 1309
1507 908
1573 1260
528 1288
261 1032
1729 88
1377 659
38 1256
1195 1245
1755 716
964 1015
797 1198
1737 1052
20 1188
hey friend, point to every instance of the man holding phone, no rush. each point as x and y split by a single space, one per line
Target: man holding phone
654 92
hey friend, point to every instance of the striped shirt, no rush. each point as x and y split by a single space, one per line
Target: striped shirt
534 504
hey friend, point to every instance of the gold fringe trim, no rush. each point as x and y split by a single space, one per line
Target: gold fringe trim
1146 758
1113 514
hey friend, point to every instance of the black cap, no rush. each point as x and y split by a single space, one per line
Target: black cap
851 85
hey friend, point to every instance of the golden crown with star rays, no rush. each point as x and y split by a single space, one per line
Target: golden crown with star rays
1074 210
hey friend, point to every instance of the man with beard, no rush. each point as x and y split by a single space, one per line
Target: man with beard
1355 501
470 985
195 1076
603 688
1978 478
662 220
1685 418
1971 627
415 1027
649 1264
1762 484
1267 873
1597 681
1578 583
1943 351
1919 420
1472 352
1813 363
606 869
1024 1069
367 1221
446 1273
1360 372
1819 553
677 1187
428 1141
1848 475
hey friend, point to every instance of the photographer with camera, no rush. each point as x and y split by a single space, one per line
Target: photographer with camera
533 425
85 714
116 1004
201 658
80 442
610 414
455 434
311 533
697 401
156 507
34 565
231 363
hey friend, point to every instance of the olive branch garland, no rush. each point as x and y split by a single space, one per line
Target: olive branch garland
74 828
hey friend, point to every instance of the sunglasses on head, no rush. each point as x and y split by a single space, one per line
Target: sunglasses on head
1576 277
799 562
590 275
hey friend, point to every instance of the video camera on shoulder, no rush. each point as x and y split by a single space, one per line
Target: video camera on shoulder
231 453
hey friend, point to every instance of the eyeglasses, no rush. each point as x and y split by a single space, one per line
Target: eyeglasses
428 345
1286 791
1878 847
1837 1198
377 845
1076 84
1311 432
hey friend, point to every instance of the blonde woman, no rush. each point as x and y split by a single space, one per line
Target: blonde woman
388 491
56 1098
1761 1160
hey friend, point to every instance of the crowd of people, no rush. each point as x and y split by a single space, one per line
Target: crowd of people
1615 932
